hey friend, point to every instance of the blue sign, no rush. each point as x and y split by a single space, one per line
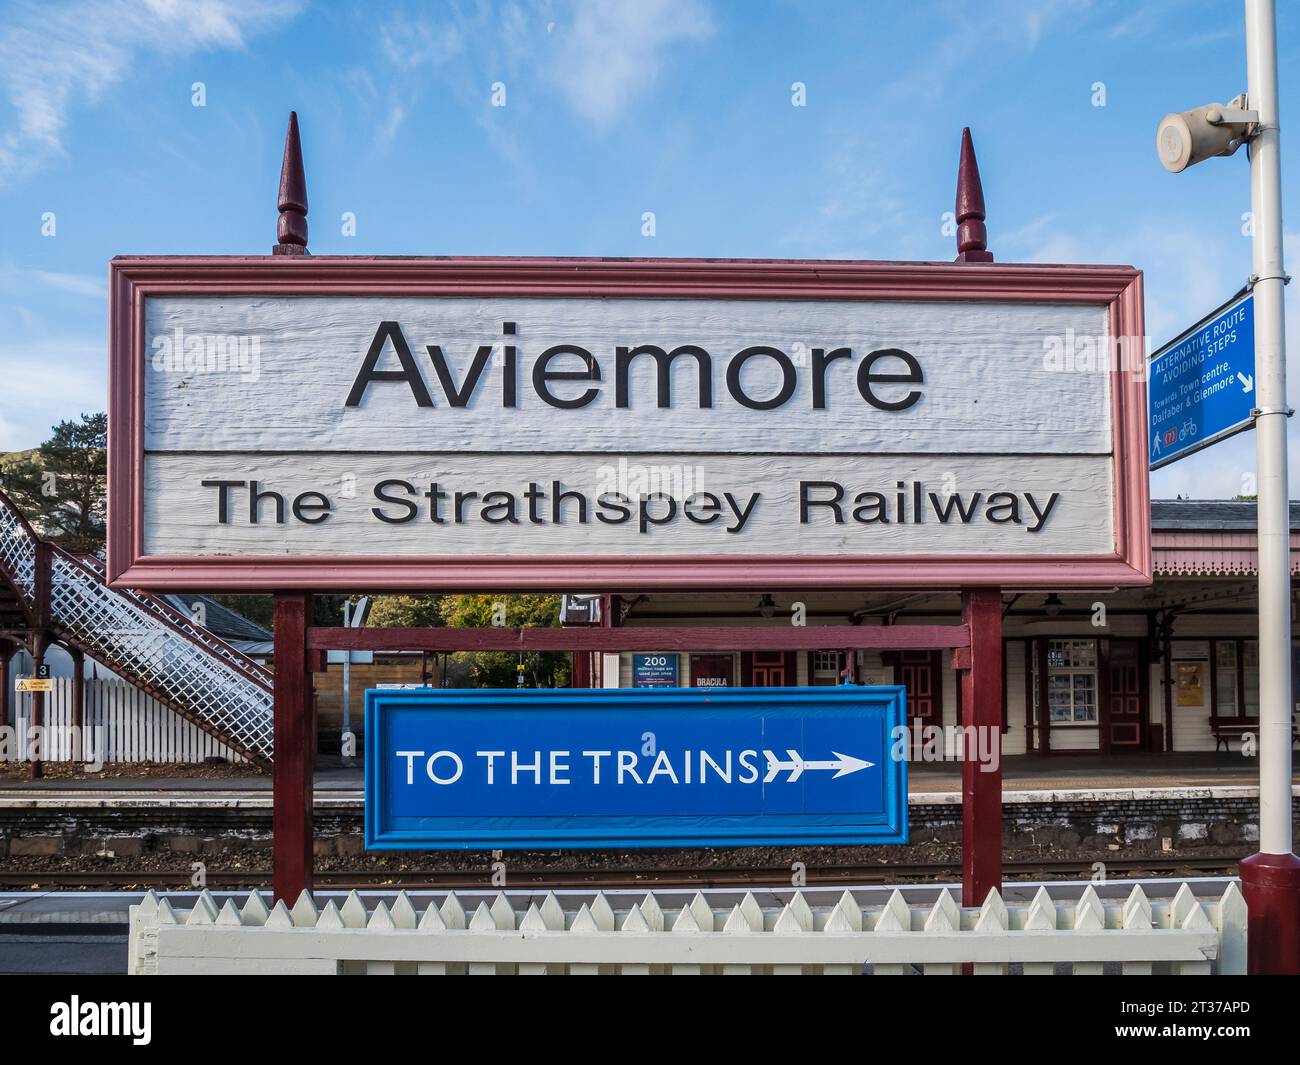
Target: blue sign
654 671
1202 383
482 769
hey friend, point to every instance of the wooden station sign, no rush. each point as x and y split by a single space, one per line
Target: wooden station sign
349 424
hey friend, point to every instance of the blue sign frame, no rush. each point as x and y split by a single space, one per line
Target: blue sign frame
1201 385
488 769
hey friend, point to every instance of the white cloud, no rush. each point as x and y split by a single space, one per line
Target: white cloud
599 56
1005 27
56 56
613 50
415 43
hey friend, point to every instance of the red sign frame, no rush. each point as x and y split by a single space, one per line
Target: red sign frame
134 279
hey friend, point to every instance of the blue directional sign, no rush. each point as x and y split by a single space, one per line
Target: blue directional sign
1202 383
484 769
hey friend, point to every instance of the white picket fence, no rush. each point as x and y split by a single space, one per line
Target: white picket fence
121 723
1183 935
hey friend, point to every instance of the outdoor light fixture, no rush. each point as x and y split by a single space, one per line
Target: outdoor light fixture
1052 605
766 605
1191 137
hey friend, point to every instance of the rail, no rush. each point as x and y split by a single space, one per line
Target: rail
143 640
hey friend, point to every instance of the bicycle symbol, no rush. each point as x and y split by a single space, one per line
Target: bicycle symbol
1187 430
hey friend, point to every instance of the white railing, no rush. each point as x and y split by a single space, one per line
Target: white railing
179 620
145 642
120 723
1182 935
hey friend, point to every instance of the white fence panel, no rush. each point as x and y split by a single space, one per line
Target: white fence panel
121 723
1184 935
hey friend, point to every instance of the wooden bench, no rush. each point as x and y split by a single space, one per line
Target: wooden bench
1228 729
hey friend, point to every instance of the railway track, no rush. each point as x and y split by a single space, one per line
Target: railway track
481 879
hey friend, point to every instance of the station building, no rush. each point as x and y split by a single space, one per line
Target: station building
1171 667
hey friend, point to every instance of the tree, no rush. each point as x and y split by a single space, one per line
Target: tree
483 669
60 487
405 612
498 669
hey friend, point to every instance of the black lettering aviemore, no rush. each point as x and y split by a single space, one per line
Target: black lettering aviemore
759 376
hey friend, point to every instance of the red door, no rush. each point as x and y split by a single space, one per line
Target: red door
919 672
711 671
1125 672
768 669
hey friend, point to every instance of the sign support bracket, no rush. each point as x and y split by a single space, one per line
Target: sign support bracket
981 711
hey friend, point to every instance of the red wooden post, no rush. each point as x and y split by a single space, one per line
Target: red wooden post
7 648
981 785
294 749
581 670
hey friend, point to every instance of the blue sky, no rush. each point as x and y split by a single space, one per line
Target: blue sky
612 109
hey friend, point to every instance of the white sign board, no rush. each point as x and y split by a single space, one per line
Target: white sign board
414 439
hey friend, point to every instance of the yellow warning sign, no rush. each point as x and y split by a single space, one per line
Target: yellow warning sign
34 684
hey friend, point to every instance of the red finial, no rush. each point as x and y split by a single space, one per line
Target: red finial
293 196
972 237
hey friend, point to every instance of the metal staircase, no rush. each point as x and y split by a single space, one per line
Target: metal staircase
136 635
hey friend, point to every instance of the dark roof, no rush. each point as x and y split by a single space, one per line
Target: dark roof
221 620
1207 514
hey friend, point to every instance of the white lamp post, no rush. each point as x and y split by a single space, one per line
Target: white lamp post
1271 878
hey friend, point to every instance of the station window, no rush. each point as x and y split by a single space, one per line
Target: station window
826 661
1236 678
824 668
1072 681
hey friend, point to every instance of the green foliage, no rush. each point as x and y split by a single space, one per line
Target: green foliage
405 612
60 487
515 611
482 669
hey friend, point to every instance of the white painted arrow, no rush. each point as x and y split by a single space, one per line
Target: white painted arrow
843 764
1247 381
